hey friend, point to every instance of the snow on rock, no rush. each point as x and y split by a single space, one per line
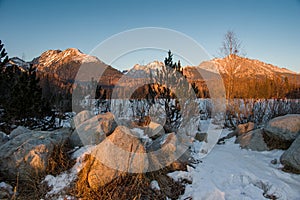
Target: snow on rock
229 172
154 185
180 176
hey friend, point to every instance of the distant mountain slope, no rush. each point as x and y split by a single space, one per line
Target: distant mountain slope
245 67
21 64
65 64
244 77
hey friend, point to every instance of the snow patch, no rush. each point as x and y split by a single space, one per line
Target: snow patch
229 172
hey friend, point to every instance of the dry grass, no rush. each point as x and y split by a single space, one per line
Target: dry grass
129 186
32 187
60 160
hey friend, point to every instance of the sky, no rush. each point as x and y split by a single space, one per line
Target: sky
269 29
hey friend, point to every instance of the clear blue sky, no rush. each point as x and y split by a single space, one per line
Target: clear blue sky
269 29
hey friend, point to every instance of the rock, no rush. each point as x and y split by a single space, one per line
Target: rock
18 131
252 140
28 153
274 161
119 154
201 137
154 130
3 138
80 118
94 130
291 157
154 185
6 191
280 132
167 151
245 128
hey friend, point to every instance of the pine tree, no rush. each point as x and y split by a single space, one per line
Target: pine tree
27 107
170 85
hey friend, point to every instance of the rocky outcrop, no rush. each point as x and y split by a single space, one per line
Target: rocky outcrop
280 132
291 157
119 154
94 130
252 140
27 154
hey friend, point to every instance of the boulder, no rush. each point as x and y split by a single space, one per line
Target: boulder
18 131
93 130
3 138
291 157
252 140
167 150
201 137
81 117
119 154
6 191
280 132
154 130
244 128
27 154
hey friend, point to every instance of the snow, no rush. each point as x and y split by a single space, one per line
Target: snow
154 185
229 172
223 172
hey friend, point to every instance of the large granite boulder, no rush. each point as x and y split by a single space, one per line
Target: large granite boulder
27 154
168 150
280 132
252 140
291 157
94 130
119 154
80 118
18 131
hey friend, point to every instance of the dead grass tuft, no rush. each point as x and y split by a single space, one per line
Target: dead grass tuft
128 186
60 160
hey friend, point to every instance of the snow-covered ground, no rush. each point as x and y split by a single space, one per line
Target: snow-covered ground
226 172
229 172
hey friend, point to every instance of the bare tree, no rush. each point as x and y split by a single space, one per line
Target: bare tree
231 47
231 44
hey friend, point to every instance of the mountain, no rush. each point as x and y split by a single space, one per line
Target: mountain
243 67
64 65
244 77
21 64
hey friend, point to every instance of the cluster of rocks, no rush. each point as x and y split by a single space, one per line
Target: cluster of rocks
124 147
118 148
279 133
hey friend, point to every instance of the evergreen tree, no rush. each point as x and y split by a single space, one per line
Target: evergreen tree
27 107
170 85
